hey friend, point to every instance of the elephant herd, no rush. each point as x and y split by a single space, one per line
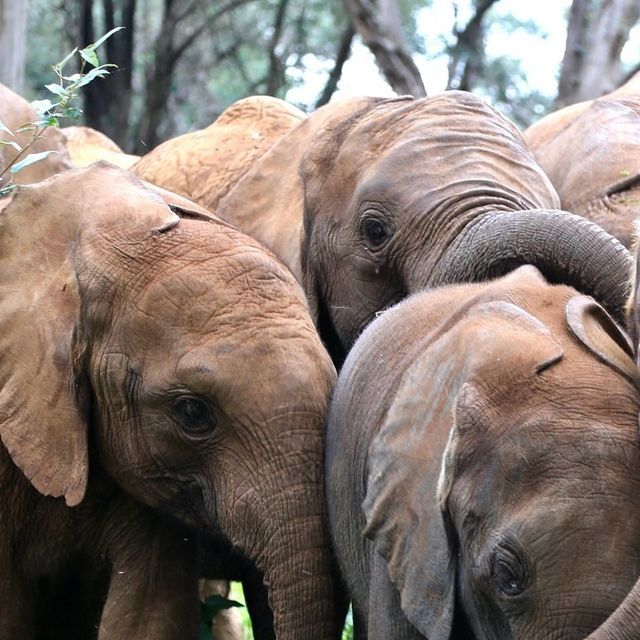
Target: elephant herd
384 353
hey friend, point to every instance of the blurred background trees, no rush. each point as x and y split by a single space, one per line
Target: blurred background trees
182 62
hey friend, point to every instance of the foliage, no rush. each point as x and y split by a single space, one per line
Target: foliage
208 611
50 111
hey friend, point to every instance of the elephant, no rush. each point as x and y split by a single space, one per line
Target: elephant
163 393
371 199
14 113
203 165
482 465
87 145
589 151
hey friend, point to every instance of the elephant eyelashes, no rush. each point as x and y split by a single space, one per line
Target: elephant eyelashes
508 572
194 415
374 232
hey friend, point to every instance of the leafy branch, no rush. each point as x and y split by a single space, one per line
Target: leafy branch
50 111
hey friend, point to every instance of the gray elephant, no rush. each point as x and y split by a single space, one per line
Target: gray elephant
589 151
162 395
368 200
483 468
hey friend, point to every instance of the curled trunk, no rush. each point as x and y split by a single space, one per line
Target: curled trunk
624 622
566 248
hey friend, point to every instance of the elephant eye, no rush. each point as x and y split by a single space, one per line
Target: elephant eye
194 415
375 232
508 572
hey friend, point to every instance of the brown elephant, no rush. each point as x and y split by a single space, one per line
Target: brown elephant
483 467
162 395
86 146
203 165
624 622
370 199
589 151
15 112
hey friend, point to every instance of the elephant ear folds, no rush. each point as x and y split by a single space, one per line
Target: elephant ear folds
597 331
40 424
43 232
401 507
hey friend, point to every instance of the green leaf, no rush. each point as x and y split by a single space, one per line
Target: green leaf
56 88
42 106
72 112
90 56
30 159
107 35
98 72
204 632
11 143
213 605
29 126
8 189
74 77
3 127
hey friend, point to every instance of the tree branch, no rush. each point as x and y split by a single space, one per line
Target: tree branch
344 50
378 28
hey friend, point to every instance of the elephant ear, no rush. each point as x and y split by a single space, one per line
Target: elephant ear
597 331
415 458
43 400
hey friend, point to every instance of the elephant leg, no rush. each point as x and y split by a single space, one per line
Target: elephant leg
153 594
386 618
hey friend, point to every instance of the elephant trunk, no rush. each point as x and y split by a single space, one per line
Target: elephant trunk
566 248
298 579
624 622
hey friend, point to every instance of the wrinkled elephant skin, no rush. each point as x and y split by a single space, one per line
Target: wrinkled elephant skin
162 377
483 466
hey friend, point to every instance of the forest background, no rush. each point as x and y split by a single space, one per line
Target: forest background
180 63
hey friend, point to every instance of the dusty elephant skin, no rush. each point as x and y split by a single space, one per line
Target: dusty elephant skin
483 466
589 151
162 394
204 165
368 200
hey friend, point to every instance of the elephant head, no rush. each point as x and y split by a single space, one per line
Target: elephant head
145 339
589 152
494 464
416 193
204 165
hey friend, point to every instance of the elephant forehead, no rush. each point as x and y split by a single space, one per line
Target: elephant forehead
446 154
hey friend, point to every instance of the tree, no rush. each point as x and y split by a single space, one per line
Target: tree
466 56
380 28
597 32
13 38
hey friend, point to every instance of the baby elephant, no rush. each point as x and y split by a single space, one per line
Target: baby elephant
483 465
160 380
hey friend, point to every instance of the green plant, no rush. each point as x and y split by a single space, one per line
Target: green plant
208 611
49 112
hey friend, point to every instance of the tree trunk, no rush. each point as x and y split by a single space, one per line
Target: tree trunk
596 35
13 37
380 29
466 58
107 103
